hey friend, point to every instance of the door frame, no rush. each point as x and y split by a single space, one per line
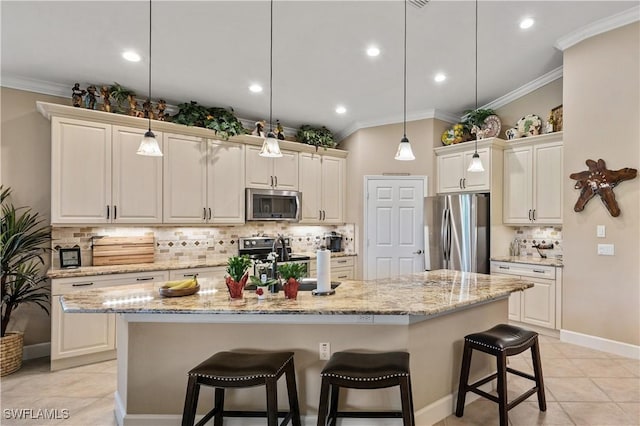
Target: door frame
365 221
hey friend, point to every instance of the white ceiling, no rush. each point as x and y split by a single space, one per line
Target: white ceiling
210 51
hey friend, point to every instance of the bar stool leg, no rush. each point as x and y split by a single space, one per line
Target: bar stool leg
537 372
333 406
191 402
292 391
272 401
464 379
502 388
407 403
219 405
324 399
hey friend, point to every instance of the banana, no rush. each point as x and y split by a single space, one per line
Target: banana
176 285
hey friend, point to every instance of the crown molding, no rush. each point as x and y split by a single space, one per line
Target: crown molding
600 26
37 86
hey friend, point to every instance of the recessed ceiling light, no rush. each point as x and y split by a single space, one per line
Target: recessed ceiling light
526 23
440 77
340 109
131 56
373 51
255 88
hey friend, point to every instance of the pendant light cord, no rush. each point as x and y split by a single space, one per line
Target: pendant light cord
404 129
476 152
271 72
149 116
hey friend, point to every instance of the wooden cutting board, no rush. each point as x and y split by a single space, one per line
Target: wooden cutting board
123 250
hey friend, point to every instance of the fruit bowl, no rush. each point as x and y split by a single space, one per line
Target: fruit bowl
169 292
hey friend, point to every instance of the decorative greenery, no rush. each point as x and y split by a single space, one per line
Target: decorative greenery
21 255
317 136
292 270
258 282
237 266
220 120
120 94
475 117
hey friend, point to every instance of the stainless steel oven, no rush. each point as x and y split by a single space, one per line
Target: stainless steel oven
258 249
272 204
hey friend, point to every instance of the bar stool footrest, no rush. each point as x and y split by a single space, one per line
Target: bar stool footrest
370 414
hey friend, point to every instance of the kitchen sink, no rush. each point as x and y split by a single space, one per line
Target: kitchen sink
306 284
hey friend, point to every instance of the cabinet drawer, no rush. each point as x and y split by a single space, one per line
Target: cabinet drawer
214 272
68 285
524 270
342 262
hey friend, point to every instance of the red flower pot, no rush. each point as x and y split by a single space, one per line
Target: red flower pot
236 288
291 288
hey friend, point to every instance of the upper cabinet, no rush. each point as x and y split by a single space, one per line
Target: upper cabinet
96 177
271 173
533 181
453 162
322 182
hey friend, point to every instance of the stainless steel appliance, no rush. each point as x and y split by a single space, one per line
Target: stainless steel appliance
258 249
272 204
333 241
457 229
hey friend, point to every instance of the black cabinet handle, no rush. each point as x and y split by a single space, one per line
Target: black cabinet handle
145 279
464 183
115 212
209 213
319 214
276 178
460 183
81 284
529 214
538 271
503 267
204 213
342 276
534 214
107 212
341 261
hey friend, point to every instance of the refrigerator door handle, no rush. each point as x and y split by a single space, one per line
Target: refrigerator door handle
443 234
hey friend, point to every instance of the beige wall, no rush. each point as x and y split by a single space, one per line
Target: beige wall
372 151
602 120
26 168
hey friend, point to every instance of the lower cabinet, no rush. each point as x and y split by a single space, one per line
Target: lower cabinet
78 339
539 305
208 273
342 268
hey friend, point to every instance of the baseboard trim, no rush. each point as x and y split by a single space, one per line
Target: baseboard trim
600 344
38 350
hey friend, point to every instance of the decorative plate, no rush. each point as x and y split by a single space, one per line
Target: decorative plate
529 125
492 126
168 292
447 137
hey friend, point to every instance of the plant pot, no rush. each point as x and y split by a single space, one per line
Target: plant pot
261 292
291 288
11 352
236 287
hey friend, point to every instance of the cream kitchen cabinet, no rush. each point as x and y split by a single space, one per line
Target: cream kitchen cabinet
342 268
212 273
322 183
533 181
539 305
203 180
271 173
98 178
78 339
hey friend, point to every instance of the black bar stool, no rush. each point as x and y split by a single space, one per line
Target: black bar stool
501 341
365 371
241 370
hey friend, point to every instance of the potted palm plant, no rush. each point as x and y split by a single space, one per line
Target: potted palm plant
22 240
238 270
291 274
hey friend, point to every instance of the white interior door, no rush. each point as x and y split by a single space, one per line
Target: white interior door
394 226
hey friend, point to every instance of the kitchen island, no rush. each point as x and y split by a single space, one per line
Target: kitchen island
427 314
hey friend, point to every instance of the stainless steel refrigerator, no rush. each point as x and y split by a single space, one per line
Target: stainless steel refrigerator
457 230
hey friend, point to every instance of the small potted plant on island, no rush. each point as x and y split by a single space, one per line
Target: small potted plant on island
238 270
291 274
262 286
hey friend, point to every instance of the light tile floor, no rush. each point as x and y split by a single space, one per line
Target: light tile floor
583 387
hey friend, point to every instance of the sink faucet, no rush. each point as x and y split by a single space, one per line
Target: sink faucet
285 253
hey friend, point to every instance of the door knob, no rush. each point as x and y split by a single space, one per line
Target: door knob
417 252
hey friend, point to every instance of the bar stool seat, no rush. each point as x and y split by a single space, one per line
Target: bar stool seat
241 370
501 341
365 371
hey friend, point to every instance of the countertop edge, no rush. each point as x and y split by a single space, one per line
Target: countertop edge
529 260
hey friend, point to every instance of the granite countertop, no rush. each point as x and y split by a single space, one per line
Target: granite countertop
530 260
156 266
422 294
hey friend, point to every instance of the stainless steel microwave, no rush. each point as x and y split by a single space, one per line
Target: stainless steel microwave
273 204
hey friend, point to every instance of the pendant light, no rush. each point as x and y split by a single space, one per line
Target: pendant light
149 145
405 153
476 164
270 146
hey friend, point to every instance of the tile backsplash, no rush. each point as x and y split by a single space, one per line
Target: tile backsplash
531 235
208 243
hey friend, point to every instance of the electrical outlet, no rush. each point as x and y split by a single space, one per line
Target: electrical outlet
600 231
365 318
325 351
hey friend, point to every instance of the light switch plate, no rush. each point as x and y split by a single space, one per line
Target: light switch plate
600 231
605 250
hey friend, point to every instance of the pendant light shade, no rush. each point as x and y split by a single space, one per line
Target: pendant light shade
476 164
149 145
270 146
405 153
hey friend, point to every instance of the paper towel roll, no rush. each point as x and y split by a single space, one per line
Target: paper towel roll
323 259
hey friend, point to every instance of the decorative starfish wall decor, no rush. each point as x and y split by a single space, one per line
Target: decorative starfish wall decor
599 180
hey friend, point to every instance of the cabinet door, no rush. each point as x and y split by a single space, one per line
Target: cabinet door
450 172
311 187
185 179
538 303
477 181
518 174
137 180
225 182
547 185
258 170
333 189
515 301
285 171
80 171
